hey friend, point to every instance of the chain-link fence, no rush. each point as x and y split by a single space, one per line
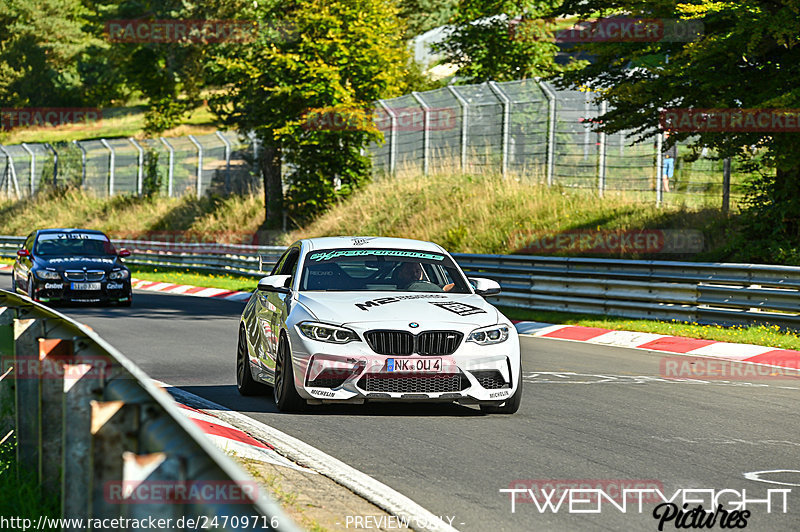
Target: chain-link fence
219 162
532 130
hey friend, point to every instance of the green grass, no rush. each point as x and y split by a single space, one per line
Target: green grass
771 336
22 496
116 122
194 277
489 214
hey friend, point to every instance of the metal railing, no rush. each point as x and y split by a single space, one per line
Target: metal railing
720 293
219 162
541 133
93 428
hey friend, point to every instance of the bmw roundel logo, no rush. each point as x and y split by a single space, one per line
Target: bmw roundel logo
413 324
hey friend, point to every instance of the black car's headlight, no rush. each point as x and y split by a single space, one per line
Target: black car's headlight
47 275
324 332
119 274
489 335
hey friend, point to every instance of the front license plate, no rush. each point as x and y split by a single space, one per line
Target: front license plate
86 286
414 365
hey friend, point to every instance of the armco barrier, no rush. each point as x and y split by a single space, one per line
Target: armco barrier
97 431
721 293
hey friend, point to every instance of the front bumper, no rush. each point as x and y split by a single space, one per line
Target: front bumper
352 373
61 291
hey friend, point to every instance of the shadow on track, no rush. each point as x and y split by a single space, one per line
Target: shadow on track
228 397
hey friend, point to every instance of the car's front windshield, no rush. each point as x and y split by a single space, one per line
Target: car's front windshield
382 270
73 245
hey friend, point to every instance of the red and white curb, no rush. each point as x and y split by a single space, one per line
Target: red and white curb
235 441
4 267
189 290
785 358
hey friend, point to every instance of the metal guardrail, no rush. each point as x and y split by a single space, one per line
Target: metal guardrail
97 431
729 294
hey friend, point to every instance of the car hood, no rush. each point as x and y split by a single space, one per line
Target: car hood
78 263
424 308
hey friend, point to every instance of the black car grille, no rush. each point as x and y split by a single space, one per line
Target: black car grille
334 382
490 379
435 383
80 275
429 343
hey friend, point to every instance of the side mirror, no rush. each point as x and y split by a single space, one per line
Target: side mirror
275 283
23 253
484 287
123 253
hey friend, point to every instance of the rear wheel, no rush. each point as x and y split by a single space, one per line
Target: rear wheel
286 397
244 378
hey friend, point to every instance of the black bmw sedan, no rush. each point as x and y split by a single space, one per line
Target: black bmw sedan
72 265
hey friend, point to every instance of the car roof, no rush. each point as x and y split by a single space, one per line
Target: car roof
72 230
369 242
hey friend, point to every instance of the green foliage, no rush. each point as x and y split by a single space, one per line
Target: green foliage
163 114
337 58
748 57
152 178
40 42
502 40
423 15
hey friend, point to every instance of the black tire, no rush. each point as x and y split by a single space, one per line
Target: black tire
284 391
511 405
30 287
13 281
244 378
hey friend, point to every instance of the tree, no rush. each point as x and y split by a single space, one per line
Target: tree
423 15
748 57
40 44
502 40
313 58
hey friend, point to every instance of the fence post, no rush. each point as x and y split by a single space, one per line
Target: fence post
171 169
659 144
426 132
199 164
32 167
726 185
464 125
55 163
227 160
506 123
392 138
140 163
12 171
551 131
83 161
601 154
111 165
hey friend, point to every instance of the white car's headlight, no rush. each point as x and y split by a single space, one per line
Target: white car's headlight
48 275
489 335
119 274
324 332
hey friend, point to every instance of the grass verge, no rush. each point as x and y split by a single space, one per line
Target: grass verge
771 336
194 277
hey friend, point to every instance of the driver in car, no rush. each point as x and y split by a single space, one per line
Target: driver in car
411 276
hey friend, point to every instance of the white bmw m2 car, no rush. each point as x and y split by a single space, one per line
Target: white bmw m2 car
355 319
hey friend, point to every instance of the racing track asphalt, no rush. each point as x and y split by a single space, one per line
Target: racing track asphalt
454 460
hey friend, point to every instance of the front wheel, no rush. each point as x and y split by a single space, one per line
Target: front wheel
244 377
511 404
286 397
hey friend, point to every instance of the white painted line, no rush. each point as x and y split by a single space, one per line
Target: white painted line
731 351
181 288
209 292
245 450
360 483
626 338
